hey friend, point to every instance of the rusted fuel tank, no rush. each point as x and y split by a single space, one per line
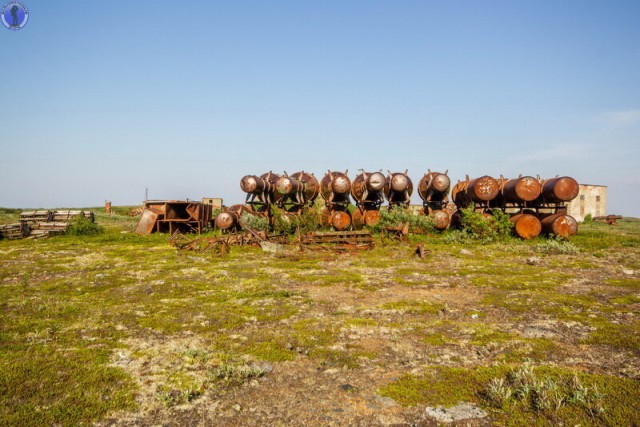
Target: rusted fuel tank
335 188
521 189
230 218
434 187
560 189
338 219
480 191
368 217
559 224
299 188
260 189
441 219
367 189
525 225
398 188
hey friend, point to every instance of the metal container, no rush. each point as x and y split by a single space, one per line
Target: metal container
398 188
335 187
559 190
434 186
367 188
522 189
559 224
441 219
526 226
482 189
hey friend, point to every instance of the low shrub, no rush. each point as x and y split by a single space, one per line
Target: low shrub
84 227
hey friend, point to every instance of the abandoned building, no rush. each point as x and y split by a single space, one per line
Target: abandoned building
592 199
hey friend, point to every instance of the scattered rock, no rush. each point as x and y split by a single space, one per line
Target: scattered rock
465 252
462 411
537 332
348 387
534 260
628 272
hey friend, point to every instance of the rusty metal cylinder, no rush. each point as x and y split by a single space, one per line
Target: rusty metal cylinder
310 186
434 186
399 182
525 225
288 185
558 190
252 184
523 189
335 185
483 189
226 220
340 220
368 187
398 188
560 224
441 219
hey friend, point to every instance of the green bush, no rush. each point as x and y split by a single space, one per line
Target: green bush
84 227
477 226
397 217
588 218
284 223
256 222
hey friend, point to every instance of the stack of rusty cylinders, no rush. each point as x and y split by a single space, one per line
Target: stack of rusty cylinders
535 206
433 189
229 219
367 191
334 189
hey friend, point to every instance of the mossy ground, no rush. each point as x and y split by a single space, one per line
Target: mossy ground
116 328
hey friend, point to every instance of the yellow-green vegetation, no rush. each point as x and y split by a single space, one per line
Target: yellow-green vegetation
95 327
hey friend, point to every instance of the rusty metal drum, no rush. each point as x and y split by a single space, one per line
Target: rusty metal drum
523 189
340 220
337 184
434 186
441 219
483 189
368 186
526 226
560 224
252 184
558 190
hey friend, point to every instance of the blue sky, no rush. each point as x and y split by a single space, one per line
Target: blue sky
101 100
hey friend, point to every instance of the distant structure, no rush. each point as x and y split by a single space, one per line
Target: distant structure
592 199
215 202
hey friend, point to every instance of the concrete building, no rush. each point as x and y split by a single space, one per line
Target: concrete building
592 199
215 202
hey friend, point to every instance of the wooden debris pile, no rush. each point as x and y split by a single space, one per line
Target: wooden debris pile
40 224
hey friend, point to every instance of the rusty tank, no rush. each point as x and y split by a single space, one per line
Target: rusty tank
335 188
398 188
229 219
521 189
479 191
434 187
300 188
260 189
526 225
367 189
339 220
560 189
559 224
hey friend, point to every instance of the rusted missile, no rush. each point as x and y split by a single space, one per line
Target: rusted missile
526 226
561 189
483 189
335 186
560 224
523 189
301 187
441 219
367 187
371 217
434 186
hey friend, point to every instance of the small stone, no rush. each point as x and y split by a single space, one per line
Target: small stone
534 260
331 371
462 411
348 387
474 316
628 272
236 407
465 252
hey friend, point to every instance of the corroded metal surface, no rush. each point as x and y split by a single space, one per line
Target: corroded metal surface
561 189
441 219
559 224
526 226
398 188
367 189
434 186
522 189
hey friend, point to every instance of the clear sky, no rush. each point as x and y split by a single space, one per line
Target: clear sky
101 100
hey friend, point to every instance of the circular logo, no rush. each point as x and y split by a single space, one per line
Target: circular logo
14 15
